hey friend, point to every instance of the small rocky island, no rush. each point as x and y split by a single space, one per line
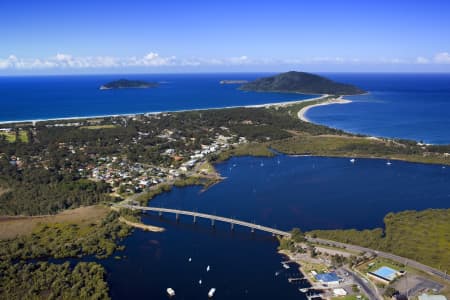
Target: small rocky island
301 82
128 84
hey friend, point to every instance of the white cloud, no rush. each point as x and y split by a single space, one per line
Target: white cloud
422 60
63 57
155 60
442 58
241 60
9 62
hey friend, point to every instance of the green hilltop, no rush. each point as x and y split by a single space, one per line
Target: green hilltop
301 82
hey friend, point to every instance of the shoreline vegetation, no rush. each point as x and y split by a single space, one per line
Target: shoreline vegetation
47 174
88 231
418 235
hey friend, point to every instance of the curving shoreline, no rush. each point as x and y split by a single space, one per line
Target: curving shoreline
302 112
129 115
142 226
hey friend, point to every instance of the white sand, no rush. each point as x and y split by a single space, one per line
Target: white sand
304 110
130 115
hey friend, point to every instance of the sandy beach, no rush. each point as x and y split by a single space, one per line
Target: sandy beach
131 115
142 226
304 110
285 102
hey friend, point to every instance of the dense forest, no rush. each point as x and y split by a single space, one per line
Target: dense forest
52 281
420 235
23 278
65 240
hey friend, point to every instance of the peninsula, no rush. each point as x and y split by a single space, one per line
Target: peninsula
128 84
301 82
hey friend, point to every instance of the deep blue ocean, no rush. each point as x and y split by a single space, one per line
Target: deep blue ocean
283 191
30 98
413 106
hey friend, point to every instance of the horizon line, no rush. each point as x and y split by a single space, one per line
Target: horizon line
218 72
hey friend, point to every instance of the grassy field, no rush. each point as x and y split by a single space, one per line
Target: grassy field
207 168
11 227
420 235
23 136
352 146
11 136
253 149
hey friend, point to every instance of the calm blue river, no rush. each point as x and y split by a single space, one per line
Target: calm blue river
285 191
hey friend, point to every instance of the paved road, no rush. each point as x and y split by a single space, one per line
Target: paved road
369 290
394 257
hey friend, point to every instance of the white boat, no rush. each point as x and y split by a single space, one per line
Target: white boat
352 160
277 273
208 268
262 164
286 266
211 292
190 259
170 292
303 290
200 282
388 163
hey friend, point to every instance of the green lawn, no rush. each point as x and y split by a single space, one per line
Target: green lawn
23 136
10 136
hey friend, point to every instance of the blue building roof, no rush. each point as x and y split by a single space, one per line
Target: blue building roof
386 273
327 277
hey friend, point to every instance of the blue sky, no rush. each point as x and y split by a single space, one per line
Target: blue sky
63 37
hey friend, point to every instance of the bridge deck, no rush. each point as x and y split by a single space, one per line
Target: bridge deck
210 217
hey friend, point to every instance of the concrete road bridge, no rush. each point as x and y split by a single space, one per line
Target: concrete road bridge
212 218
